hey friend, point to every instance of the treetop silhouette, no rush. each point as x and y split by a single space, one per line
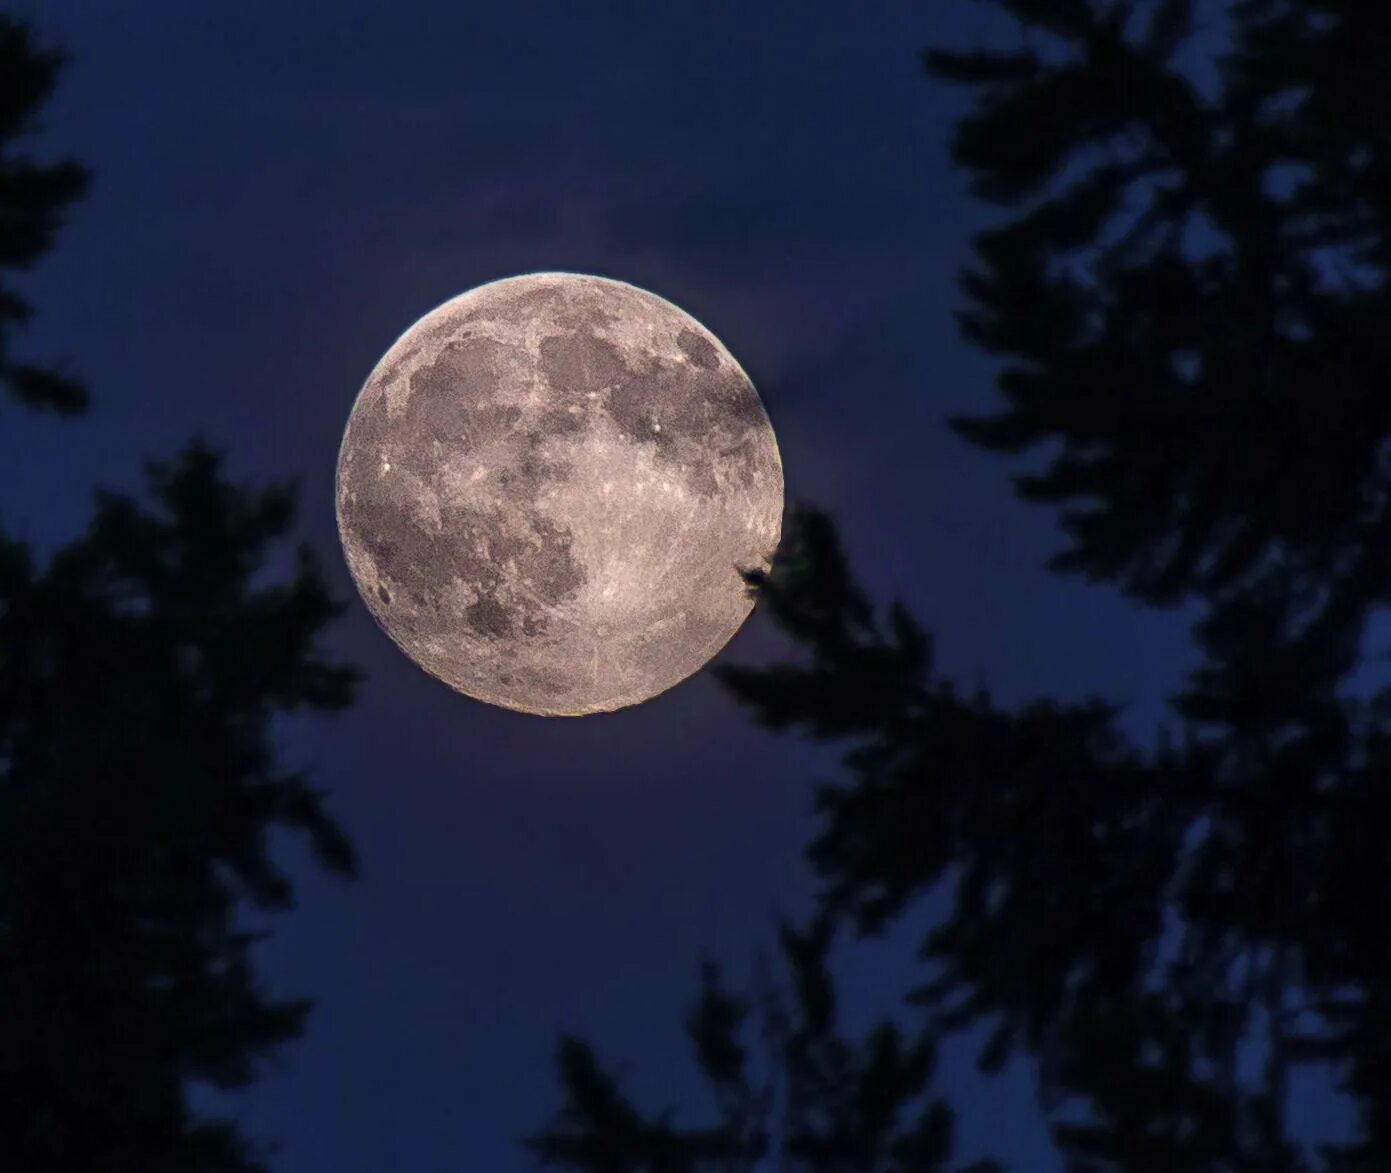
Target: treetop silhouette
143 665
798 1093
34 198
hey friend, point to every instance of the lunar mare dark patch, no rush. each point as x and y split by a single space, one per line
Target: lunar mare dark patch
451 402
638 405
545 490
580 363
489 617
699 349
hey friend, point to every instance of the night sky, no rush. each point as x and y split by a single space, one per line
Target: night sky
279 191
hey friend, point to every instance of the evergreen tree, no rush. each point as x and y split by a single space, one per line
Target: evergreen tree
33 199
805 1097
138 788
140 671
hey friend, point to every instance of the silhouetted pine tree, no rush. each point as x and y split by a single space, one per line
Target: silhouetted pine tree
1192 300
33 198
1192 296
140 671
807 1099
138 788
1069 853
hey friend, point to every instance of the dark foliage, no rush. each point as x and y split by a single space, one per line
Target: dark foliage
1192 297
33 199
1191 300
1130 918
817 1102
138 789
140 672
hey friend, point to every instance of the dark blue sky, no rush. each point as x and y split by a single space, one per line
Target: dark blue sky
279 191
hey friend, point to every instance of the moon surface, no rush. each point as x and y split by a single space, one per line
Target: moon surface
547 491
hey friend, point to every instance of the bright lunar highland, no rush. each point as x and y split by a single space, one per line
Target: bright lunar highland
547 491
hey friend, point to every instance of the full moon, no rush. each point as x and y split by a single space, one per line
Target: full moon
547 491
